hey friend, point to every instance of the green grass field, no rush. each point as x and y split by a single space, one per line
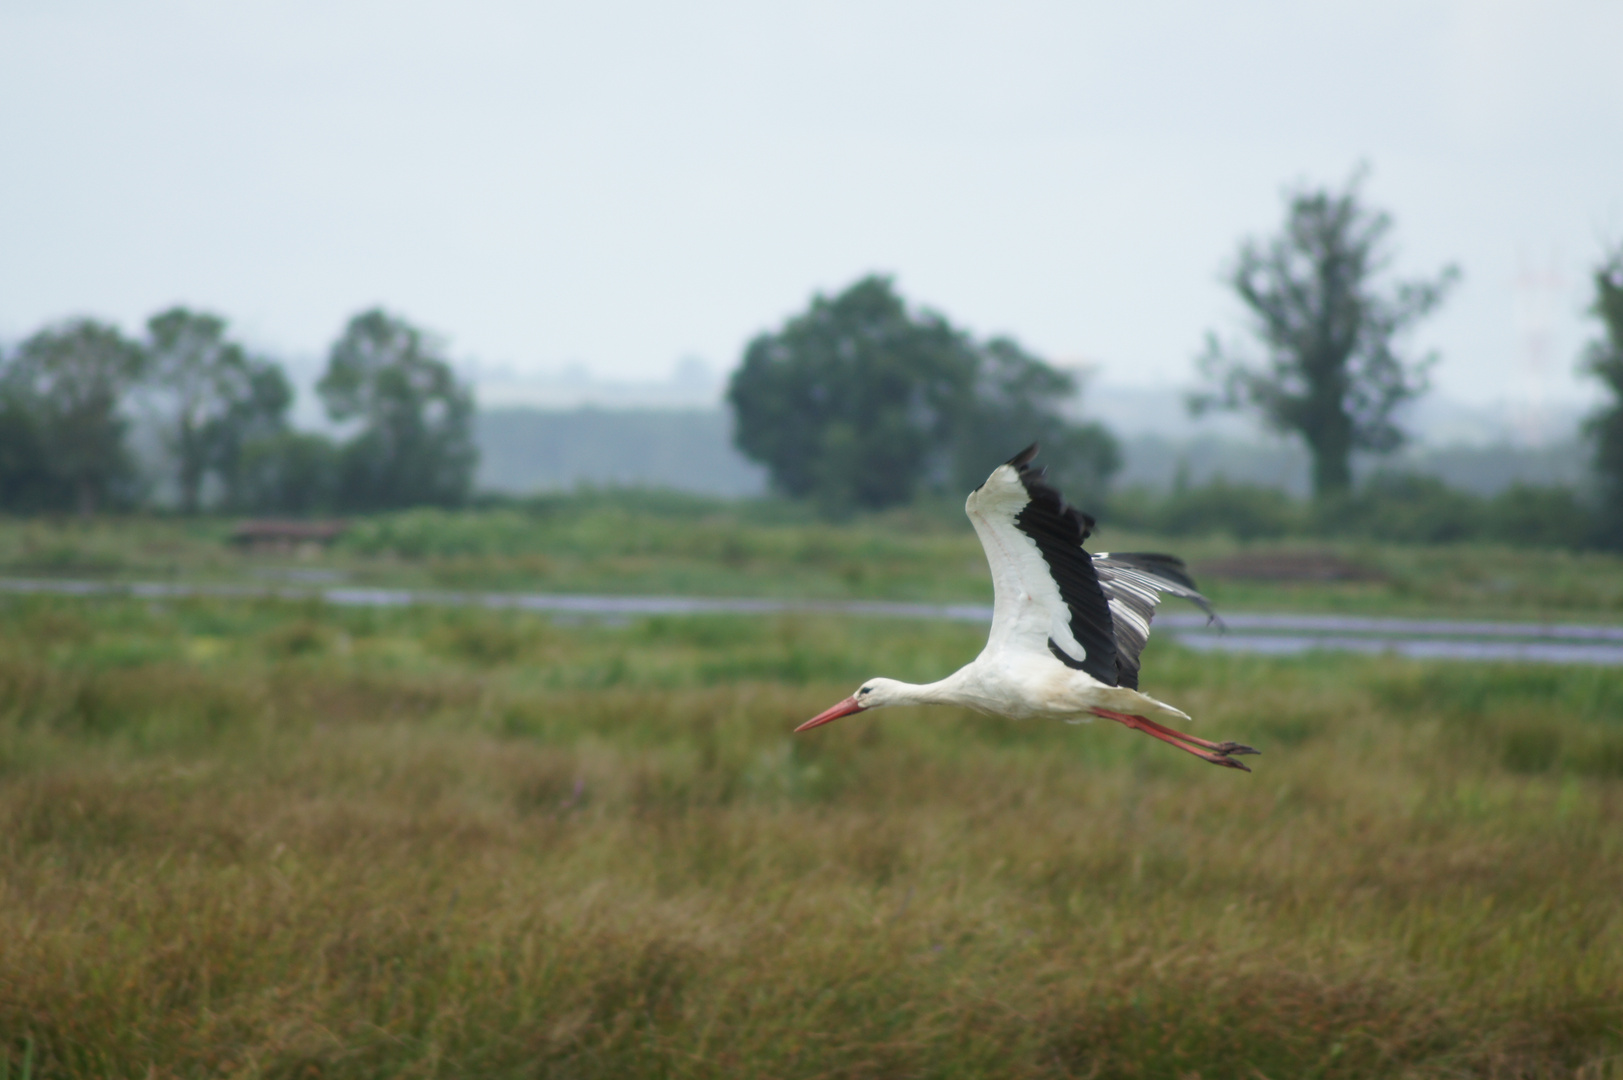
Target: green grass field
272 838
670 544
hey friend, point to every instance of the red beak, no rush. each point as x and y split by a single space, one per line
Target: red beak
844 708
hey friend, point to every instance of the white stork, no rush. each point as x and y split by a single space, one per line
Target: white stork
1067 627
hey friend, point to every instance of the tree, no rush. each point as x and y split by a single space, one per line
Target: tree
850 401
258 417
1604 360
221 396
1331 371
285 472
1016 400
26 479
72 378
861 403
415 446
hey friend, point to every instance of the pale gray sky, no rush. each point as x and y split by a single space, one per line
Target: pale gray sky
622 184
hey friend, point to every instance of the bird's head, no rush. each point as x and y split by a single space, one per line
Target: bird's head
873 694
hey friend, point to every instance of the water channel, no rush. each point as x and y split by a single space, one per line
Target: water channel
1274 634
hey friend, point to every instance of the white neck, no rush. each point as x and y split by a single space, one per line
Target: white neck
948 691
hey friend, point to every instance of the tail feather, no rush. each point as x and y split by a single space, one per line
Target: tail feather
1121 699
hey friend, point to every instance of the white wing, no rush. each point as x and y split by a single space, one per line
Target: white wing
1047 597
1092 613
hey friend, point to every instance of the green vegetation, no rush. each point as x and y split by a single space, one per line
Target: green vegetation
861 404
1330 370
284 840
222 418
226 406
62 442
1604 360
415 446
666 543
1389 508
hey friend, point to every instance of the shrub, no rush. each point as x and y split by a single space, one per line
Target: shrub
1400 507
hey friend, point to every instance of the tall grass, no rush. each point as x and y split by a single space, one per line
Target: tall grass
273 839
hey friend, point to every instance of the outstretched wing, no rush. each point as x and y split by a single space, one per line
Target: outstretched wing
1133 584
1047 594
1091 612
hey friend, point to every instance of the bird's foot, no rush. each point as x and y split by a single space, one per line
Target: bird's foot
1218 753
1220 759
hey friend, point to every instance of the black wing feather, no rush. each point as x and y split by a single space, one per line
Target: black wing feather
1059 530
1134 582
1111 597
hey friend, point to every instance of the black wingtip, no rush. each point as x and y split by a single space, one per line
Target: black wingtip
1078 524
1172 569
1023 458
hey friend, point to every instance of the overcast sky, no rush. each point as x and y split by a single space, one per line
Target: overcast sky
620 185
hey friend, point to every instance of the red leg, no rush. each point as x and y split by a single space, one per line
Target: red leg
1144 722
1216 753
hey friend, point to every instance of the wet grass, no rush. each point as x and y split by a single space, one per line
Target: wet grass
283 840
668 544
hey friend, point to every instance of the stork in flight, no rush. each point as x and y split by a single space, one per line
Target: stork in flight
1067 626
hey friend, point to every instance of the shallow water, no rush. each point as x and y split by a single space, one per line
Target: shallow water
1450 639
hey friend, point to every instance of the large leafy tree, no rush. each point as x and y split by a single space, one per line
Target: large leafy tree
853 401
415 444
1604 360
1330 369
72 379
221 396
860 402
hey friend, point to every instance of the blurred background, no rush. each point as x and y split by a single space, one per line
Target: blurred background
588 215
447 449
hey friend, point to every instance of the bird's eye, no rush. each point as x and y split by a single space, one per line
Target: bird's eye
865 690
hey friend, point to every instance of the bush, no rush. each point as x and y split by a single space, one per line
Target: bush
1396 507
1405 508
1543 517
1243 511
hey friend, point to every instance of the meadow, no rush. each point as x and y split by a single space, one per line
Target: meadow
667 543
272 838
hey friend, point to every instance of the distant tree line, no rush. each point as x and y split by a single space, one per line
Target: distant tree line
860 402
67 395
1388 507
863 402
